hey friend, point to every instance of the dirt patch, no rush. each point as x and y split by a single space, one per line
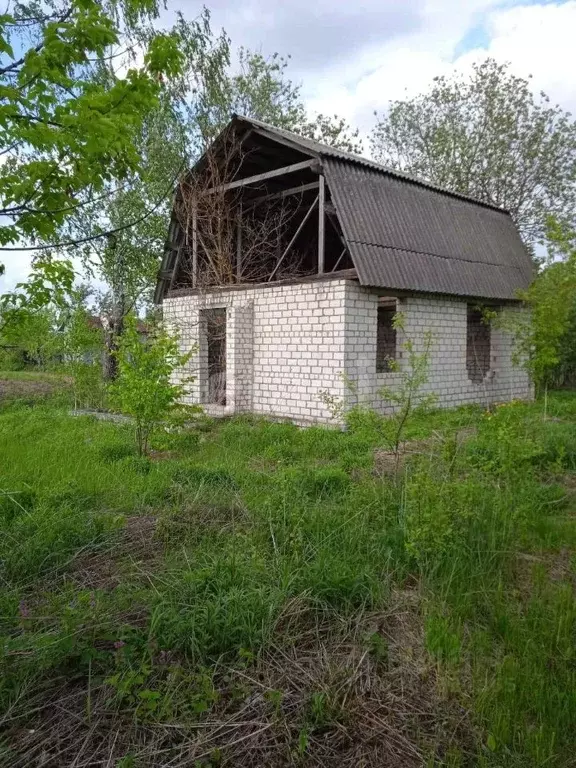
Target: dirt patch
15 389
388 463
162 455
136 548
558 567
263 464
194 520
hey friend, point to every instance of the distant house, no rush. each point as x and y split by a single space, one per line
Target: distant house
359 243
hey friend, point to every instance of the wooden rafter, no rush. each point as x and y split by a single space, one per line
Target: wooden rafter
321 221
335 267
194 243
284 193
239 244
263 176
293 240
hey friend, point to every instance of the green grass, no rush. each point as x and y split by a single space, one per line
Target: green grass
267 577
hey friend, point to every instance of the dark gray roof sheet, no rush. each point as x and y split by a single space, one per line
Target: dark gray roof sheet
405 236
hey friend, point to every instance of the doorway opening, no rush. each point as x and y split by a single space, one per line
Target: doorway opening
215 336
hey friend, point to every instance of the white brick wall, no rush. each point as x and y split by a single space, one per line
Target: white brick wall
285 344
288 343
445 318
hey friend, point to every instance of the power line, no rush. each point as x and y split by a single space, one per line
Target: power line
91 238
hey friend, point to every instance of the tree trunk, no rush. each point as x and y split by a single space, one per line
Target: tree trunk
113 326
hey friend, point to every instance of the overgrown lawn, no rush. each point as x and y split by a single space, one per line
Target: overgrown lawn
257 594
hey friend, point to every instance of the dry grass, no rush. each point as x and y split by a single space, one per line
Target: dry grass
30 388
359 692
136 548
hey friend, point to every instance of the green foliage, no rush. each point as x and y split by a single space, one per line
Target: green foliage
144 389
544 338
81 350
317 483
259 87
407 396
49 282
67 130
488 136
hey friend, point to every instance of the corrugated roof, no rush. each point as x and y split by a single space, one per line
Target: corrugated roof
405 236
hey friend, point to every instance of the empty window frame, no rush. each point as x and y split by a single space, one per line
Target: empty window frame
385 335
477 345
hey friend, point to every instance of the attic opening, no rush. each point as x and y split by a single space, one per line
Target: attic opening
254 211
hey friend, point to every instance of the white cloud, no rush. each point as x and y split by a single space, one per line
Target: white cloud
539 40
535 39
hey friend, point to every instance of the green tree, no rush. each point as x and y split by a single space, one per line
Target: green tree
80 348
259 87
144 389
545 335
487 135
127 261
125 229
50 282
32 336
64 130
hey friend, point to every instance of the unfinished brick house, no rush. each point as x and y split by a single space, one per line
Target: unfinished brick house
287 259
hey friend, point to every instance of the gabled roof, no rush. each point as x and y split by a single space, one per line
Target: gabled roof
406 234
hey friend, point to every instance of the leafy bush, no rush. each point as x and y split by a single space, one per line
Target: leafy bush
144 388
437 513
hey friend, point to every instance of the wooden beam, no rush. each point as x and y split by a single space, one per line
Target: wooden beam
207 254
263 176
239 244
178 249
285 193
174 270
321 217
194 243
339 260
342 274
293 240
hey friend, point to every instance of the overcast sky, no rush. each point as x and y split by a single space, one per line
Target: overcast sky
352 57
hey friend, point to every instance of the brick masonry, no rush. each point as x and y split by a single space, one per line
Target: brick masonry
287 344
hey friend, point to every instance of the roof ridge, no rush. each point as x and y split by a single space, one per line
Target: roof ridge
341 154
